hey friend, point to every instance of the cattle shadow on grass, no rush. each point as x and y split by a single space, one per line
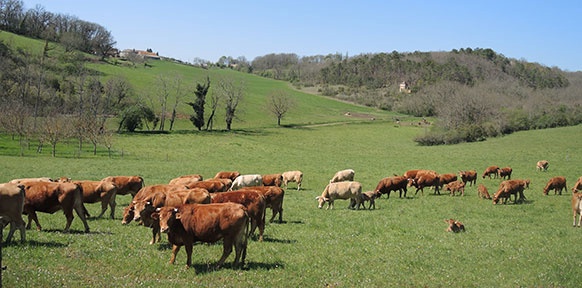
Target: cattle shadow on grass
35 243
72 231
282 241
204 268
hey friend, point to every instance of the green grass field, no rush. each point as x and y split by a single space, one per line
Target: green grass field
401 243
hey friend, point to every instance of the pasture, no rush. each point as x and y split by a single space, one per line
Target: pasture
401 243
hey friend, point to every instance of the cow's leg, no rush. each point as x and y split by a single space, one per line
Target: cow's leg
240 246
175 249
103 207
112 205
579 219
227 244
80 209
156 233
32 217
188 246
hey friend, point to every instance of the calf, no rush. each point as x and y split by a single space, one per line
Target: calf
542 165
504 173
293 176
454 226
483 193
456 186
491 170
206 223
469 176
577 207
11 207
445 179
557 183
389 184
343 175
50 197
369 196
341 190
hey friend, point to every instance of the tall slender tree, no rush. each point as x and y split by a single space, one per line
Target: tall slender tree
198 105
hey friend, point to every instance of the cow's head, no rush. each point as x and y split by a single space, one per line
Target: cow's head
128 214
321 200
166 216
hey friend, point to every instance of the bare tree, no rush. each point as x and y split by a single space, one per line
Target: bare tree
278 103
163 95
214 101
179 94
232 93
56 128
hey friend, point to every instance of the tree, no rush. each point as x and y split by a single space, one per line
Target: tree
232 93
178 87
198 104
133 117
279 104
214 101
163 95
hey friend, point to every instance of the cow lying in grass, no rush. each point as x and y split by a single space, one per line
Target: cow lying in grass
454 226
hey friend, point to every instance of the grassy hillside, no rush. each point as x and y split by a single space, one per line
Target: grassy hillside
401 243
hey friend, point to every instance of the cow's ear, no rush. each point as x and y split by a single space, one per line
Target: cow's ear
178 215
155 216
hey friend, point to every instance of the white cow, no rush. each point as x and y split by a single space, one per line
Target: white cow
293 176
341 190
344 175
246 181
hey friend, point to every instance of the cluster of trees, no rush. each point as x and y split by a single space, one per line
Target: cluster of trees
474 93
71 32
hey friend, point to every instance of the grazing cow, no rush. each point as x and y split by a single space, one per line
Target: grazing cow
254 203
468 176
343 175
227 175
425 180
11 207
273 199
50 197
508 188
415 174
483 193
126 184
542 165
369 196
454 226
273 180
393 183
445 179
456 186
99 191
341 190
38 179
225 181
504 173
206 223
491 170
293 176
185 179
210 185
577 207
246 181
557 183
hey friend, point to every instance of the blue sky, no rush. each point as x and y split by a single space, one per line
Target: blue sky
546 32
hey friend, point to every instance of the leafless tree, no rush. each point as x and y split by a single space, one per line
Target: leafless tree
163 95
178 96
278 103
232 93
214 101
55 129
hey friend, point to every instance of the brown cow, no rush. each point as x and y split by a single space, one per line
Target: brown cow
11 208
207 223
253 201
126 184
273 199
577 207
50 197
508 188
491 170
128 212
369 196
542 165
293 176
454 226
273 180
483 193
504 173
210 185
445 179
184 179
468 176
425 180
143 208
557 183
103 191
456 186
227 175
578 185
393 183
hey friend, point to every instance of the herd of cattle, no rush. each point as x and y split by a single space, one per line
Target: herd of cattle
230 206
